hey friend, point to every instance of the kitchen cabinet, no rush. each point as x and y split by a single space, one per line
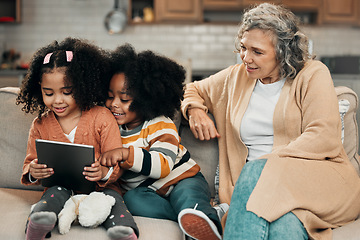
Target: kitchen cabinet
10 11
247 3
222 4
344 11
174 10
229 11
165 11
303 5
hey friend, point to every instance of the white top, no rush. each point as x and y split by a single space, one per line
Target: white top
71 135
256 130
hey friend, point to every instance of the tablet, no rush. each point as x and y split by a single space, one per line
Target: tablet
68 161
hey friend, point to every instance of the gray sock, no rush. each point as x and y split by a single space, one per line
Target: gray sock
119 232
47 218
40 224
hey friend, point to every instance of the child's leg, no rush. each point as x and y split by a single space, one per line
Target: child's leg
43 216
145 202
120 223
189 193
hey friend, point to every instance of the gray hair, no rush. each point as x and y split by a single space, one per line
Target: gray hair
291 45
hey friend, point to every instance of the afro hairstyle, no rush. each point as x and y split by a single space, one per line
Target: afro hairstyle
155 82
84 73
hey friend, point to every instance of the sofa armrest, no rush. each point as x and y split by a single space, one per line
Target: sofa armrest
14 131
351 138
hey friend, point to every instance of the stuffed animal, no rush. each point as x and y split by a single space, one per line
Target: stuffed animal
92 210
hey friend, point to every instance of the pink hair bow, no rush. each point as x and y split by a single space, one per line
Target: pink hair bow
47 58
69 57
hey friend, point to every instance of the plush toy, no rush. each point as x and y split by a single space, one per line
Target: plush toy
92 210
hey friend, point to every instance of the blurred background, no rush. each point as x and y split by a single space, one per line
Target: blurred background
197 33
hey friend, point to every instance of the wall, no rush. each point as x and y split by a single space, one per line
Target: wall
210 47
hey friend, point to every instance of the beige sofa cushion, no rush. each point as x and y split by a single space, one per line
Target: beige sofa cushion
15 207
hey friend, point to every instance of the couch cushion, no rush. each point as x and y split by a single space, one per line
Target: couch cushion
14 129
205 153
15 208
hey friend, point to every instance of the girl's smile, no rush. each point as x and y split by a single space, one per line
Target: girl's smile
119 103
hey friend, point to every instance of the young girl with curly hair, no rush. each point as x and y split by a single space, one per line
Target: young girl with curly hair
63 85
163 182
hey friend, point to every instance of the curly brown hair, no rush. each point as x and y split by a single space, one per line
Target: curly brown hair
84 72
155 82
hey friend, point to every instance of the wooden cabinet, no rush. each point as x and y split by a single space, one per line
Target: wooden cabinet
247 3
222 4
179 11
303 5
229 11
344 11
164 11
10 11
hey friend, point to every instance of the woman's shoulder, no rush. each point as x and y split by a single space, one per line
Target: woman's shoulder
313 70
312 66
233 69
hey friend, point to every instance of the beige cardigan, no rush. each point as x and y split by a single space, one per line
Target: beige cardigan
308 171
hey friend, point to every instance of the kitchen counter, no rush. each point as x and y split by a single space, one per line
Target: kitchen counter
11 78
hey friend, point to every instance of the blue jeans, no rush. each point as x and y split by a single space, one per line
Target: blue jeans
143 201
243 224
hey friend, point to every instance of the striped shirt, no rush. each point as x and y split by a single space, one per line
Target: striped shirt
157 159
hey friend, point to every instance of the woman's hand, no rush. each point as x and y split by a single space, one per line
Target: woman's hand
40 171
113 157
201 125
95 172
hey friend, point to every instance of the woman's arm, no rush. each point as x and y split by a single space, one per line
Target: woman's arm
199 98
201 125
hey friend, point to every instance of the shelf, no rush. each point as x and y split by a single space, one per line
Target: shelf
10 11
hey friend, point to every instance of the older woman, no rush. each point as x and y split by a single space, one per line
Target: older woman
277 123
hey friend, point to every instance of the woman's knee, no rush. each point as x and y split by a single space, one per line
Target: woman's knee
254 165
287 227
250 174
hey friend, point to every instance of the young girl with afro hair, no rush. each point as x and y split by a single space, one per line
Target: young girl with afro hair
64 86
161 179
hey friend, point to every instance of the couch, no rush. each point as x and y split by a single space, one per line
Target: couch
16 199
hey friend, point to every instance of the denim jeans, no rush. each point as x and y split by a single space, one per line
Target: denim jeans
143 201
243 224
